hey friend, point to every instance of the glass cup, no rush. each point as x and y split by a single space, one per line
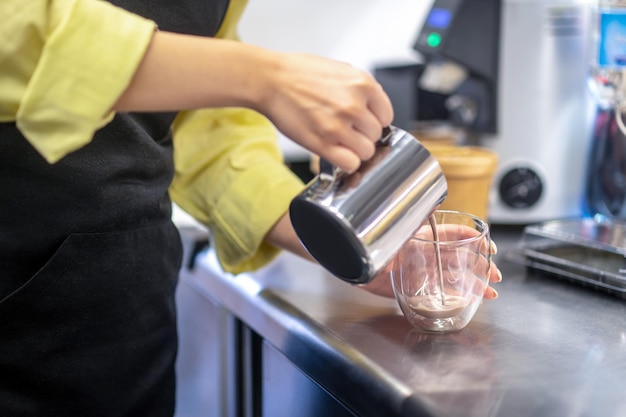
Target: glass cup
439 279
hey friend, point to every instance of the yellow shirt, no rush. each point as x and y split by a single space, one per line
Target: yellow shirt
64 63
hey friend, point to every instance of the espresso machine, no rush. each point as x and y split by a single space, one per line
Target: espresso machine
513 75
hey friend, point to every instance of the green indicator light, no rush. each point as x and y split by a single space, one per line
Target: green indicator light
433 40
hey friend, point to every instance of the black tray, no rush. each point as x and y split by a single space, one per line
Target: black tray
587 251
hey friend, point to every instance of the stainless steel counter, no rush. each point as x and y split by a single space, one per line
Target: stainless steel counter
545 347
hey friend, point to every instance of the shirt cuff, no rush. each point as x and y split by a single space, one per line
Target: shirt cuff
88 60
230 176
239 225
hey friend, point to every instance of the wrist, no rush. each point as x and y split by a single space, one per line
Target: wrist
262 72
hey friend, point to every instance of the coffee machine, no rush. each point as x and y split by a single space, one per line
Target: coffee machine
513 75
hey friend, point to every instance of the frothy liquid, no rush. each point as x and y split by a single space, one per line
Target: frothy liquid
431 306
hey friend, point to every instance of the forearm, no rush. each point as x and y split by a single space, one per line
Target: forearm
283 236
184 72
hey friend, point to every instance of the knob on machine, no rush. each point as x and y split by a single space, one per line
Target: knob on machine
520 188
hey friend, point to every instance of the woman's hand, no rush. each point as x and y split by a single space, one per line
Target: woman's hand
329 107
381 284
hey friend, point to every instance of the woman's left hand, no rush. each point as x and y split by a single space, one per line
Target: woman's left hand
381 284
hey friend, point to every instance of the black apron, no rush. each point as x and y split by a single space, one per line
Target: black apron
89 261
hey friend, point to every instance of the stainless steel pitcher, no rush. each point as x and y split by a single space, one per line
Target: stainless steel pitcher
354 224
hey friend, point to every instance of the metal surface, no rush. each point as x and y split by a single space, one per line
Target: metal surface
543 348
353 224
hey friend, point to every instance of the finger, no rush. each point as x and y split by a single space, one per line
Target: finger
342 158
362 145
479 287
380 105
495 275
486 247
345 133
368 125
494 248
490 294
452 232
455 232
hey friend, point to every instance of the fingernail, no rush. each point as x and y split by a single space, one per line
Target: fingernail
494 248
499 274
495 294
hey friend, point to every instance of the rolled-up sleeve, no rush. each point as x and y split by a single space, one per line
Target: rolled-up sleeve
230 176
65 64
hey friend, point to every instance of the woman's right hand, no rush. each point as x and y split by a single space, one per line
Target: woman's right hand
329 107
